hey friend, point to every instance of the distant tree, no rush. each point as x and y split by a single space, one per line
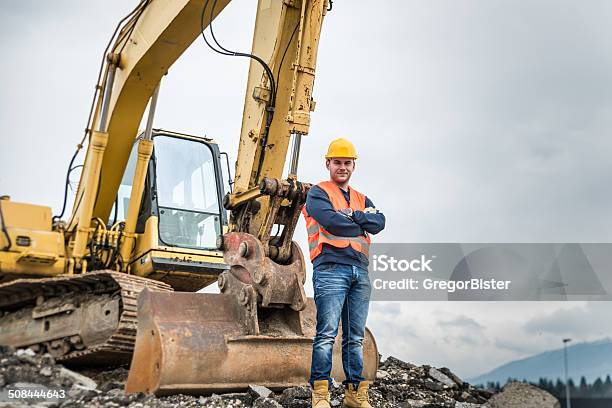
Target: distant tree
559 387
542 383
583 390
572 386
607 392
598 389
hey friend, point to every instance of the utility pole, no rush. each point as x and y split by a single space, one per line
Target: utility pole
568 402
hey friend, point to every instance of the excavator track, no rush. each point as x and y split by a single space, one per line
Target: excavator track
103 304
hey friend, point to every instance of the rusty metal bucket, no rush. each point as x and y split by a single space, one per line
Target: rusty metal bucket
194 343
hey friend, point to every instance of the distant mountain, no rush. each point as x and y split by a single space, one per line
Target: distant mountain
589 359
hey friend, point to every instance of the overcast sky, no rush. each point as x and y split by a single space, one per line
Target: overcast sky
475 121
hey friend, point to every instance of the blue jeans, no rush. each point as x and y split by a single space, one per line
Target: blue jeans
340 291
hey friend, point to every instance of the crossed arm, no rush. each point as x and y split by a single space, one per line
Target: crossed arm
320 208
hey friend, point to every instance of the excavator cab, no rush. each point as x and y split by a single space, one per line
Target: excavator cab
181 218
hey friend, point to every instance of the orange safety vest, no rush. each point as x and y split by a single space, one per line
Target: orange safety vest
317 235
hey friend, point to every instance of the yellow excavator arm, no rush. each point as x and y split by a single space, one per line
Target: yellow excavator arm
285 42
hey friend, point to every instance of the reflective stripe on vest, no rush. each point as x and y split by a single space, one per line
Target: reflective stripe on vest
317 235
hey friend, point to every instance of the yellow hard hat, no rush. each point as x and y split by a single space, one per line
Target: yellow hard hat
341 148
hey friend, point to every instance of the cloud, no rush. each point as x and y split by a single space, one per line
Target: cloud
391 309
589 321
516 345
462 322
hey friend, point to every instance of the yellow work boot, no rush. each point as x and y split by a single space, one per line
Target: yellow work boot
320 394
357 398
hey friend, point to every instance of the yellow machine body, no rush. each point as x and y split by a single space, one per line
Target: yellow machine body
31 246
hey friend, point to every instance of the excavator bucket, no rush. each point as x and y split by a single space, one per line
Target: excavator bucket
198 343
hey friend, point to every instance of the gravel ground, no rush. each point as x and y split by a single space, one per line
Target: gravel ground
27 380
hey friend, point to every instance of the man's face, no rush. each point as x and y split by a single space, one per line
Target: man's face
340 168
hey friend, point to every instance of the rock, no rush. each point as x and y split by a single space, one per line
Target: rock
262 402
466 405
77 378
521 395
467 397
434 386
399 363
335 403
26 357
107 386
25 352
259 391
79 392
290 395
381 374
453 377
297 403
485 394
443 378
46 371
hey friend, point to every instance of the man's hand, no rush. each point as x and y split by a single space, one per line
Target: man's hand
371 210
347 212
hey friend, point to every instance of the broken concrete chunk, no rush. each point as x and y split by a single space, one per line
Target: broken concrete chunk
434 386
289 394
77 378
399 363
452 376
46 371
259 391
381 374
25 352
443 378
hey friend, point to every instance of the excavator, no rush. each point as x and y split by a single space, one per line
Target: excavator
116 282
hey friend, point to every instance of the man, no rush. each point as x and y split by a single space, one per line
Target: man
339 220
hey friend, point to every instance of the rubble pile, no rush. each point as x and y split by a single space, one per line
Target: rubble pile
408 385
398 384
